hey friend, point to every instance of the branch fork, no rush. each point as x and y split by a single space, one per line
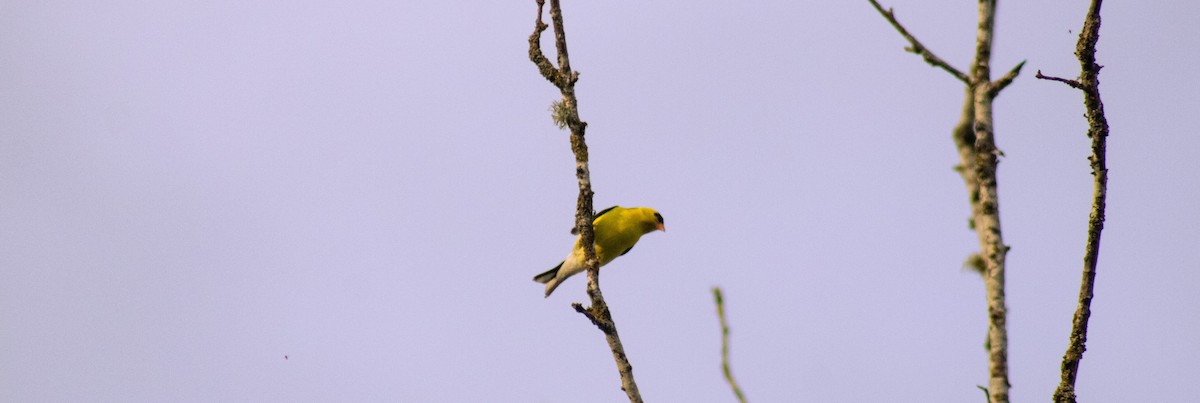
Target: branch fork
978 157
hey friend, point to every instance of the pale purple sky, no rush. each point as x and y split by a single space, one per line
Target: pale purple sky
190 191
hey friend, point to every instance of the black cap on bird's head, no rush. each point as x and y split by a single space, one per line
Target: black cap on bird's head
659 224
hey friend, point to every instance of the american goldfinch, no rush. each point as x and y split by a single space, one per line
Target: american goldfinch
617 230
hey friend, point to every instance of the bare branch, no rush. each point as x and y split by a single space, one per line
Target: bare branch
604 326
1098 132
986 394
737 390
1072 83
987 223
568 115
916 47
1006 79
978 155
535 51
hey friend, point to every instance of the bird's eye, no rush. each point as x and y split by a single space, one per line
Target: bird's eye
658 217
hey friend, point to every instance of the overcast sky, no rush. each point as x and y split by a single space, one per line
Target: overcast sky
307 201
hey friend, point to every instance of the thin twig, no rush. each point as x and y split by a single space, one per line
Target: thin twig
1007 78
1089 82
916 47
1072 83
737 390
985 393
564 78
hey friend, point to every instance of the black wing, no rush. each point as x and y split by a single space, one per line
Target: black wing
548 275
626 251
575 230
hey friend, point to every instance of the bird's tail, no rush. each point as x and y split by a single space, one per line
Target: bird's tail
550 278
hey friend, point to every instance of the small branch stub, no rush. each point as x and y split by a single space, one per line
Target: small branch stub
1072 83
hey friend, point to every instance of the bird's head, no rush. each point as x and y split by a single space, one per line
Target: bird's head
653 219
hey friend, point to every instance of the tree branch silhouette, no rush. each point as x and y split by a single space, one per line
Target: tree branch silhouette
1089 83
567 115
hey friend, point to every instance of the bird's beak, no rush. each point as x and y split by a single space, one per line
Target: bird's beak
660 227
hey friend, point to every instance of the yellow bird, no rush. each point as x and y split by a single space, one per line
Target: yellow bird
617 230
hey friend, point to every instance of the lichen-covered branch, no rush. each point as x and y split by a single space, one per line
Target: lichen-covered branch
737 390
974 138
1089 82
964 143
987 224
567 115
